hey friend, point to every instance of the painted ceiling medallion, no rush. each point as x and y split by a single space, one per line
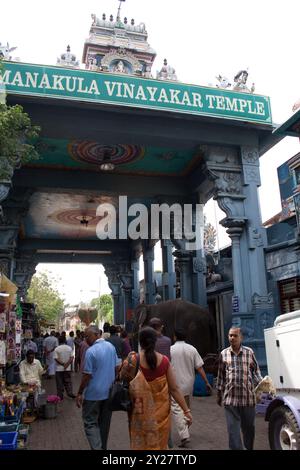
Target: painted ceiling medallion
75 217
93 153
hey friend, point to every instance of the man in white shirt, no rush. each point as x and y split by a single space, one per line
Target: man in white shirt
50 344
70 342
31 370
185 359
63 356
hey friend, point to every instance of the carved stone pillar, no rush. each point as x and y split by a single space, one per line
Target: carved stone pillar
148 258
8 238
183 263
118 301
235 229
256 233
24 270
168 274
256 240
199 280
112 271
199 268
235 177
224 171
135 283
8 235
126 278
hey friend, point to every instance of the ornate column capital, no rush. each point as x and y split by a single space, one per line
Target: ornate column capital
234 223
112 271
134 264
235 231
182 260
219 155
228 191
148 255
126 280
148 245
182 254
25 268
26 261
165 243
226 182
115 288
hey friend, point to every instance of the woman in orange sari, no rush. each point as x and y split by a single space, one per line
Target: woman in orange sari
150 389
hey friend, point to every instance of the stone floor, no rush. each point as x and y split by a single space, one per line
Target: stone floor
65 432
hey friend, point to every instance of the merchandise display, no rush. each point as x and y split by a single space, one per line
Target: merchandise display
16 400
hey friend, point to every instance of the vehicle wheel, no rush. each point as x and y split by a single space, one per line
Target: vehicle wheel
284 432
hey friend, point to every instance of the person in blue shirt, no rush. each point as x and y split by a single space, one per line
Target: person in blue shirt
99 372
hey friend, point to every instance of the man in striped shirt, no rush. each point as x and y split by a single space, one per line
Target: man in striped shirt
238 375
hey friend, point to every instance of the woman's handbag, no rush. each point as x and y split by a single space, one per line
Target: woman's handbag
119 398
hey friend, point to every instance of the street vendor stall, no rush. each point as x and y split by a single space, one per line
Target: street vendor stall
10 326
12 397
13 402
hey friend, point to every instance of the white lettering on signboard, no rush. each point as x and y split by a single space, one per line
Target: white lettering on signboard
138 91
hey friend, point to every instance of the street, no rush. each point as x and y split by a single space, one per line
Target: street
65 432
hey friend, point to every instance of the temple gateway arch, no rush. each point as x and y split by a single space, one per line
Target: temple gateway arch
114 131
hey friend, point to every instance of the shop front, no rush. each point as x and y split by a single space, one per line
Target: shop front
12 399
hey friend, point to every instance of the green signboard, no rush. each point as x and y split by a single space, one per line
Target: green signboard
124 90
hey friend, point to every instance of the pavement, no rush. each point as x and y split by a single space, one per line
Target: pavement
65 432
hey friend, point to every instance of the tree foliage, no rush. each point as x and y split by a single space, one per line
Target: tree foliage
16 133
43 292
104 305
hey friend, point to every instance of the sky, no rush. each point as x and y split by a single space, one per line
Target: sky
200 39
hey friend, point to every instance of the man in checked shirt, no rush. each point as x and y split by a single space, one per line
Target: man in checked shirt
238 375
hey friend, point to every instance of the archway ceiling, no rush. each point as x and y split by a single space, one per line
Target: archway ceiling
155 155
131 159
69 184
59 215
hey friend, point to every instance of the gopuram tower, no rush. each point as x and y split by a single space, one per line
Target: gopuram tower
118 46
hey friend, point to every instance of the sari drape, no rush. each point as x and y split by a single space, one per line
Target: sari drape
149 421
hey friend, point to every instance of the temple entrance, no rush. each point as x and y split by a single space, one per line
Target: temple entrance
116 145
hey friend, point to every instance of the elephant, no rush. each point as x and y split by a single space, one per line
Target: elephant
197 322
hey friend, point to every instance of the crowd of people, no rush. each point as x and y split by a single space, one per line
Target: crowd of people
160 376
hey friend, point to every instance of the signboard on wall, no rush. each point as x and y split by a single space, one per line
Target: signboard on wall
126 90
